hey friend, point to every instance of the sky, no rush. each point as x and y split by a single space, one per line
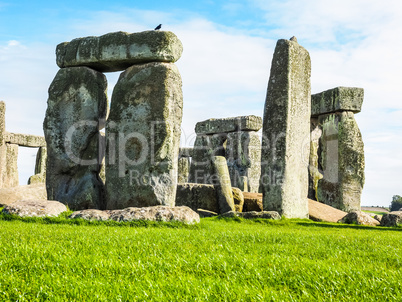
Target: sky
225 66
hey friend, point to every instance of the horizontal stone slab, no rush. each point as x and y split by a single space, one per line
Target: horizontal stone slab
25 140
230 124
119 50
337 99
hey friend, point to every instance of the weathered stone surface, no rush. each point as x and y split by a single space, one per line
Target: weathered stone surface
183 167
286 132
76 107
143 137
253 214
392 219
314 173
252 202
322 212
238 199
40 167
91 214
119 50
378 218
185 152
222 184
230 124
341 160
337 99
2 122
360 218
243 155
10 195
205 147
25 140
9 165
197 196
35 208
156 213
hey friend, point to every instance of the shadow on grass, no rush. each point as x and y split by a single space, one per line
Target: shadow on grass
347 226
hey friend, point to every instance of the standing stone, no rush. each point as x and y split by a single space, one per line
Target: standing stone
314 172
243 155
205 148
76 107
342 161
286 131
143 136
222 184
10 166
183 168
40 167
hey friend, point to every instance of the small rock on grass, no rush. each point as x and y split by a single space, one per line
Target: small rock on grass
253 214
360 218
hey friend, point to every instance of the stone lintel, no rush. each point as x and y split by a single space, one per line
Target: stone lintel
230 124
25 140
119 50
336 100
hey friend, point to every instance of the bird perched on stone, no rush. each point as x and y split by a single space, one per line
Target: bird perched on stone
158 27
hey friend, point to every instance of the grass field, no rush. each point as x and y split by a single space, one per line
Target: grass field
218 260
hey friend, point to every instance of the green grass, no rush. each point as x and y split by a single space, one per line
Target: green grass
376 212
219 260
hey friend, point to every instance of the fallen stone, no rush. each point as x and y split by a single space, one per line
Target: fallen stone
25 140
337 99
222 184
253 214
205 213
143 137
11 195
76 107
360 218
91 214
252 202
322 212
378 218
286 132
197 196
392 219
230 124
341 157
35 208
119 50
238 199
156 213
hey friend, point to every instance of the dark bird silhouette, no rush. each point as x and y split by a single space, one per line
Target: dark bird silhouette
158 27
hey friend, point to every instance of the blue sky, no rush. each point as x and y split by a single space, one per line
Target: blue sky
228 47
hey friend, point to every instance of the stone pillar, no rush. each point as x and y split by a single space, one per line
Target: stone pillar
223 187
8 154
205 147
143 137
183 169
40 167
286 131
340 149
76 107
243 155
